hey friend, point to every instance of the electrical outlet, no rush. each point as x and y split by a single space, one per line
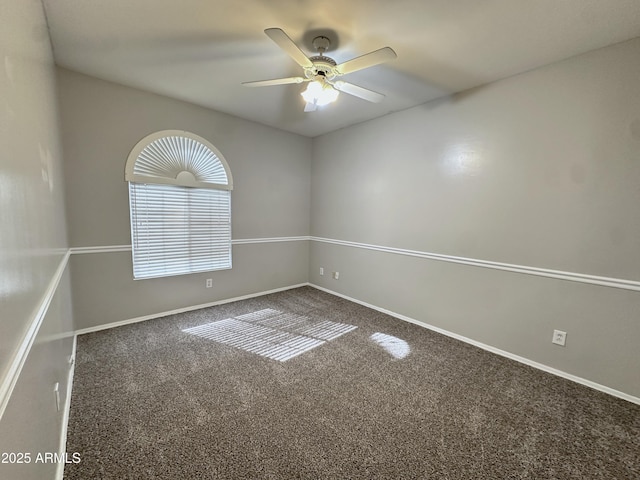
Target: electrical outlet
559 337
209 283
336 275
321 271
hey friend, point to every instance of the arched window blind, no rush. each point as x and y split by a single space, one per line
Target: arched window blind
180 203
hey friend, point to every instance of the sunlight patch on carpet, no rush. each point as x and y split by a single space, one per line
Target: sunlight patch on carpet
395 346
271 333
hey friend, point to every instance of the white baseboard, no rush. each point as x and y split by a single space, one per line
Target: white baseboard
489 348
120 323
67 409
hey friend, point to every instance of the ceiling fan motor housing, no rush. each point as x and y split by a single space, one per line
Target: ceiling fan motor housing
322 66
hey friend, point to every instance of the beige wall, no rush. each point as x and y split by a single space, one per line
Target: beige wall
542 170
102 122
32 239
105 292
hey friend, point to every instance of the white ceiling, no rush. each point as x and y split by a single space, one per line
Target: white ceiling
202 50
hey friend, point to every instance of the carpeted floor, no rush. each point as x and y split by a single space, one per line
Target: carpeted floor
284 387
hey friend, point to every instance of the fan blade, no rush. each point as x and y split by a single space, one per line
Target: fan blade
310 107
360 92
275 81
367 60
286 44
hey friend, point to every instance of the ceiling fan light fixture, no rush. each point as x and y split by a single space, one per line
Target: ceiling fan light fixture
321 72
320 93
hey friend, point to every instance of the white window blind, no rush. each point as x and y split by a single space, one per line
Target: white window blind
177 230
180 201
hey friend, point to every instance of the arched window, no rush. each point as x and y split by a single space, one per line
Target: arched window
180 202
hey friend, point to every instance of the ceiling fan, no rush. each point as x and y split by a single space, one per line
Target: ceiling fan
323 72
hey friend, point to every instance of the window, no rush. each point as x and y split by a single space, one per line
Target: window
180 203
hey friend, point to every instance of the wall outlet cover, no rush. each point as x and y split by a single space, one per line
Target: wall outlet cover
559 337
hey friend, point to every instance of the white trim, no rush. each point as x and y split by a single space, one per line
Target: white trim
612 282
238 241
172 181
62 449
120 323
243 241
541 272
20 356
101 249
489 348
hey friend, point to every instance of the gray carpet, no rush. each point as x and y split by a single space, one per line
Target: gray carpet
284 387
